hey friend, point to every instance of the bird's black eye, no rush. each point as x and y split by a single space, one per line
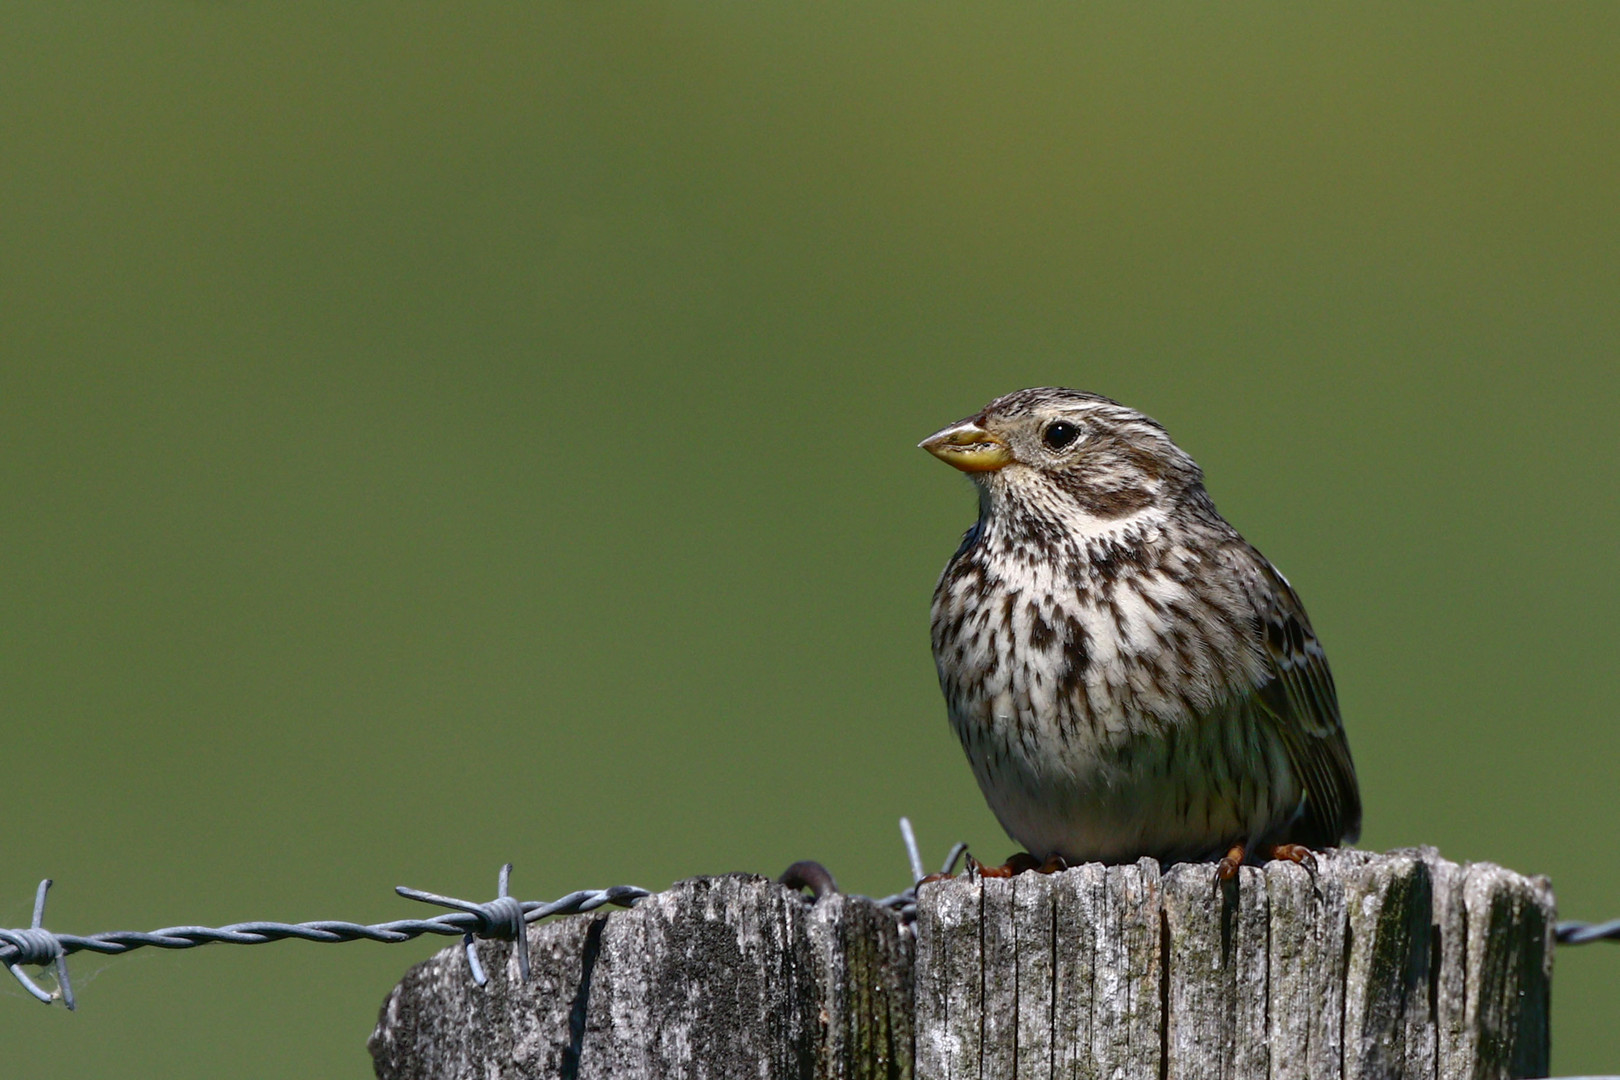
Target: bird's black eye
1060 433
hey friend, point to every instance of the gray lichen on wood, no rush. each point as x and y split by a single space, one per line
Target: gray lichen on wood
1400 965
728 976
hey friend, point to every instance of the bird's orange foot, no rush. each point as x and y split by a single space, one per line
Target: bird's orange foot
1023 862
1227 868
1298 854
1017 864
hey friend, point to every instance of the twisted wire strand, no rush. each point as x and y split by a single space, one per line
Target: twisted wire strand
328 931
502 918
1580 933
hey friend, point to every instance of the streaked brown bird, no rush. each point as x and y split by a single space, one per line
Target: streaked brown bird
1128 675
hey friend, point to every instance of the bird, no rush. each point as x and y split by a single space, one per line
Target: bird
1128 675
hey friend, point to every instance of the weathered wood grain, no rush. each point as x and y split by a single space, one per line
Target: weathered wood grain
1306 970
1400 965
1215 964
718 977
1378 966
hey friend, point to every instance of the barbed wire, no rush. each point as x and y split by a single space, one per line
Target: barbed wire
501 919
1582 933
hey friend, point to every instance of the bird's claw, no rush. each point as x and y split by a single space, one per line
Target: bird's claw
1017 864
1227 869
1021 863
1299 855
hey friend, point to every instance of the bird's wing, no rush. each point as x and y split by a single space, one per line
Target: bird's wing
1302 702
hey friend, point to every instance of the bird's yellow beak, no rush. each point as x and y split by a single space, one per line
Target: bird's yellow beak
968 447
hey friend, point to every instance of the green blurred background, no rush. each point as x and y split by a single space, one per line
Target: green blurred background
431 437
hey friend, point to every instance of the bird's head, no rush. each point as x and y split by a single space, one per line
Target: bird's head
1067 452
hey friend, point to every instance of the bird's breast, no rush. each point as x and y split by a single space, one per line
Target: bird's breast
1087 650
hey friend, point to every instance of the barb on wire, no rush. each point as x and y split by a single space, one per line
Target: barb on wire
502 918
904 903
36 945
910 837
1580 933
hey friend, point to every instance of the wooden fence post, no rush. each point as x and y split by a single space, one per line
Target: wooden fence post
1383 966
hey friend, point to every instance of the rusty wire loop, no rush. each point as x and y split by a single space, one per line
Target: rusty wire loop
500 919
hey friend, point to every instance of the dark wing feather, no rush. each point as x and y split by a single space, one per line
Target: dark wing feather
1302 702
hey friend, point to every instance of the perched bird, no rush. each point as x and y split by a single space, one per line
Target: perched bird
1128 675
